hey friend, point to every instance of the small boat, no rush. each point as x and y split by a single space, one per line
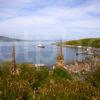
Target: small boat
79 47
40 46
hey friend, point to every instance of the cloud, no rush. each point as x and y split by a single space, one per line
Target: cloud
78 19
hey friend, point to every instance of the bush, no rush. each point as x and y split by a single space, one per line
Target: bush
60 73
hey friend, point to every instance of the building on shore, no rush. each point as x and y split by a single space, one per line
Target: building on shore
78 66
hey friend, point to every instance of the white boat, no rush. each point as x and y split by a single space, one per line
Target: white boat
40 46
79 47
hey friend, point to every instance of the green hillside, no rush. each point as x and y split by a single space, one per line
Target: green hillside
93 42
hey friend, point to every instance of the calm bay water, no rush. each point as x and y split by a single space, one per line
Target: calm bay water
28 52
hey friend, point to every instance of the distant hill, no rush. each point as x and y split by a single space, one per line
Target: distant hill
3 38
92 42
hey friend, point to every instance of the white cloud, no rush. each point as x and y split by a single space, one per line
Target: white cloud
52 21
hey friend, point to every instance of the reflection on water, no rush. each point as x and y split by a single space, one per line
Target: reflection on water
28 52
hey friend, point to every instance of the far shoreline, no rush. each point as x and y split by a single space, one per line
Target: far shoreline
81 43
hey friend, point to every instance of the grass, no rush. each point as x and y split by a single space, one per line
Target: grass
42 84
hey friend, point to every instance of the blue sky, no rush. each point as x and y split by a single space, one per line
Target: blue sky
50 19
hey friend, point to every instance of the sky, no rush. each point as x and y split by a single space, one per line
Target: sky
50 19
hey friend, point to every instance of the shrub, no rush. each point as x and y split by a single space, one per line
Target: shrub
60 73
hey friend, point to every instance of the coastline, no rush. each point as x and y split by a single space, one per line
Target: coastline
81 43
73 46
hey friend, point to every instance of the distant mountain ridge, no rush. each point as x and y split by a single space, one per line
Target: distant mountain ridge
3 38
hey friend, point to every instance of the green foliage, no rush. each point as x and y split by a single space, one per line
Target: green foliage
5 69
94 78
27 95
41 77
27 73
60 73
69 90
93 42
0 72
42 84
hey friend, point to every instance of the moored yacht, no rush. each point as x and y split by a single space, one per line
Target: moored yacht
40 46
